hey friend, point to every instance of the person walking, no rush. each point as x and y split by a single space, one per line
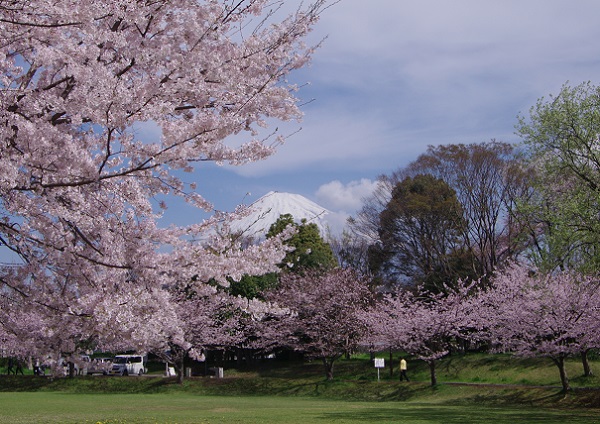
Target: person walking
403 368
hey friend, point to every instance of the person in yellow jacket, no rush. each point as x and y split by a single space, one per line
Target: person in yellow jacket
403 368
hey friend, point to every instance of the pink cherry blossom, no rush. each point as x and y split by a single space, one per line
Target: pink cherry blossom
78 184
424 325
541 315
326 319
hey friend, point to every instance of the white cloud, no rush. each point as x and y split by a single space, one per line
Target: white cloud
345 197
328 141
408 74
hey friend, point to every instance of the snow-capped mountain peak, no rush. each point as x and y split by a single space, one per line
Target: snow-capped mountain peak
267 209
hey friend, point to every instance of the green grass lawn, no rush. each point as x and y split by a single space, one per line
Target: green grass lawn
501 389
43 407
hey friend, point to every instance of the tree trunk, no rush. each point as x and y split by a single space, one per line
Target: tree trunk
564 379
328 363
432 373
72 372
391 364
177 359
180 368
587 370
238 357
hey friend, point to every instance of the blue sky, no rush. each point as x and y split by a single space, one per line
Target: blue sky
395 76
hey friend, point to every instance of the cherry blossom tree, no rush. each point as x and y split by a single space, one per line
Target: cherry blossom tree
541 315
81 189
327 311
206 317
423 324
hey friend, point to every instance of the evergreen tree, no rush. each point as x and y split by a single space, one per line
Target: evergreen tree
310 250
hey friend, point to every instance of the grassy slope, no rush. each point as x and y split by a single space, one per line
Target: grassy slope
512 382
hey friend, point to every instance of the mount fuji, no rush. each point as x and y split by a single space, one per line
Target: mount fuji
267 209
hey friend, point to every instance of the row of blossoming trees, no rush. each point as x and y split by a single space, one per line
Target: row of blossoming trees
530 314
517 223
326 315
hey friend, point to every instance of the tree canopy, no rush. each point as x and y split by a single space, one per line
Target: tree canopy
561 134
420 231
327 313
309 249
488 180
82 189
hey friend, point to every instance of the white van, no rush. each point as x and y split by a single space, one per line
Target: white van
128 365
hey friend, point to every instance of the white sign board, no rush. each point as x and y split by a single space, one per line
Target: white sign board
379 363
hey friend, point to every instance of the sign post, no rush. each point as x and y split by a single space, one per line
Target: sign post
379 363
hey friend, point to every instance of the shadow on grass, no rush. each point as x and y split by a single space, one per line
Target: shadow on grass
460 414
83 384
346 369
302 385
497 395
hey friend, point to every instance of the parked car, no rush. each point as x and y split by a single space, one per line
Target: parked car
128 365
98 366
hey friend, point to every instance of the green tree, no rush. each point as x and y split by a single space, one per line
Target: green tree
562 137
420 231
310 250
252 286
488 179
